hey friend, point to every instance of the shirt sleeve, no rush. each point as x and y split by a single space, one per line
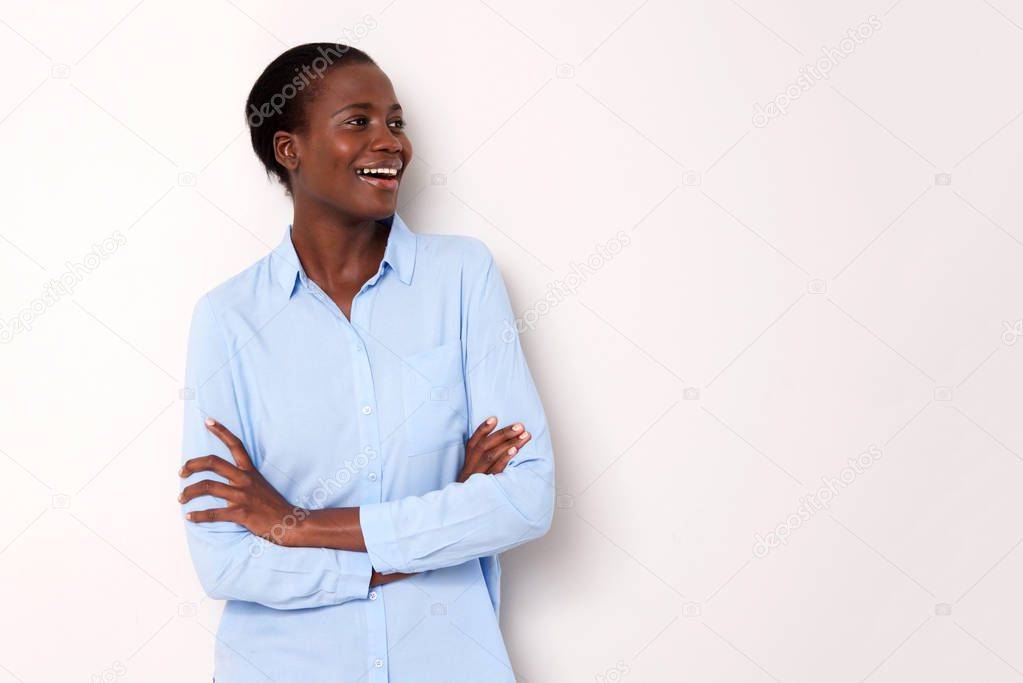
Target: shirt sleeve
488 513
233 563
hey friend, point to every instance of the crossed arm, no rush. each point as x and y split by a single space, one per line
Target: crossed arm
334 555
256 505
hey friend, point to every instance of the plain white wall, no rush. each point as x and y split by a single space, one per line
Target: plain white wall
737 274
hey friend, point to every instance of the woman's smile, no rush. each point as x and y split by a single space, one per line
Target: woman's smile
388 184
384 174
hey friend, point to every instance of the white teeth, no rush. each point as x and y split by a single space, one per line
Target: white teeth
387 171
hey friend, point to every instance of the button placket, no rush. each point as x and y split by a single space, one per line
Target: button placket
369 429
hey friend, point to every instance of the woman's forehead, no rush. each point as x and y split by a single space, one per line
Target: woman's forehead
359 87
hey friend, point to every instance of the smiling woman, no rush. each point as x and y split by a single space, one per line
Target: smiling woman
346 482
327 127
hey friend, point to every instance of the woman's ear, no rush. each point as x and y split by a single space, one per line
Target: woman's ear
286 150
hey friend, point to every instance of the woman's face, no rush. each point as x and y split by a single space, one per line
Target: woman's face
354 123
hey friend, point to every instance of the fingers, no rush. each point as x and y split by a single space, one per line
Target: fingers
214 515
498 457
504 454
481 431
498 438
209 487
210 463
233 443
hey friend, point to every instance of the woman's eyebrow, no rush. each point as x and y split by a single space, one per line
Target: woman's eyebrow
364 105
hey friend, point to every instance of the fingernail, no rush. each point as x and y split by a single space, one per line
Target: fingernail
511 451
491 420
210 422
523 435
517 428
189 516
181 497
181 472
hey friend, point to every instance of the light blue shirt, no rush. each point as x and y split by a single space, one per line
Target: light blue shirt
372 412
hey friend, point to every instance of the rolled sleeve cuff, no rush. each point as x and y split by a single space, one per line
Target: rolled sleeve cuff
380 534
355 570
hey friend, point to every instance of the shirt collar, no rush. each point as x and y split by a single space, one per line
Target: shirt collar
400 255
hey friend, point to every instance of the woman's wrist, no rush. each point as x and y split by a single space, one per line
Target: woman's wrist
378 579
336 528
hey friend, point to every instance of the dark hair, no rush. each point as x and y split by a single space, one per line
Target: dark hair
281 95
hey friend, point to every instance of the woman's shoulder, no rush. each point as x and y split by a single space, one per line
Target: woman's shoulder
247 288
461 251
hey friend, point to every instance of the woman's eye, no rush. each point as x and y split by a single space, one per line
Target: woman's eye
361 120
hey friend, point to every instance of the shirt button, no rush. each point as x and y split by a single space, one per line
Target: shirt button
366 410
372 476
372 595
378 663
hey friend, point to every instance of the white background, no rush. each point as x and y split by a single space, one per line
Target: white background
846 276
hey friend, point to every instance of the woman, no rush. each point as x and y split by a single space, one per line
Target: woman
331 494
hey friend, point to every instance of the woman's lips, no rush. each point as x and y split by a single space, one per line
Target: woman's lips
389 184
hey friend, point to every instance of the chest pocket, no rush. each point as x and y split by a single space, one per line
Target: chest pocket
433 395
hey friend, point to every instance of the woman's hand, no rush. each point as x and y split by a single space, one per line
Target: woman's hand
489 453
485 452
252 501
